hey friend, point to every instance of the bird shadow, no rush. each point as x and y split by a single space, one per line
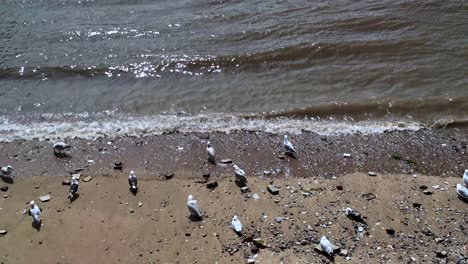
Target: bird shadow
8 180
61 155
240 184
292 155
134 191
74 197
465 200
195 218
37 225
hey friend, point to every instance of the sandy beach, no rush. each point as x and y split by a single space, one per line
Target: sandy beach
411 209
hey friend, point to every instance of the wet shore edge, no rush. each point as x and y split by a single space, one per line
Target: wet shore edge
435 152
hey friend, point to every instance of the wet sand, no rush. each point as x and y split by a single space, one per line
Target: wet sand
314 191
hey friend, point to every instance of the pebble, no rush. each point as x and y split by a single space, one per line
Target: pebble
360 229
245 189
76 175
87 178
4 188
436 187
44 198
169 176
212 185
346 155
226 161
371 173
131 210
140 204
272 189
256 196
3 232
279 219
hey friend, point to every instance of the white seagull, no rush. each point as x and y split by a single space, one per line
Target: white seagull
288 145
326 245
236 225
465 178
193 207
462 191
211 153
7 170
60 147
240 174
132 181
73 188
35 212
354 215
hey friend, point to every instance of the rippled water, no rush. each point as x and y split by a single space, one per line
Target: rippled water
351 60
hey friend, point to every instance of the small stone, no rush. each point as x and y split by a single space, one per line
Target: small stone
339 187
436 187
245 189
423 187
413 259
44 198
66 181
5 196
346 155
206 175
371 173
250 261
36 187
212 185
390 231
131 210
169 176
76 175
267 172
24 211
118 165
281 157
343 252
360 229
260 243
427 192
256 196
87 178
4 188
226 161
441 254
188 234
3 232
272 189
438 239
140 204
279 219
248 237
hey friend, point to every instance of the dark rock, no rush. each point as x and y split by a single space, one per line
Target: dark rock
390 231
212 185
441 254
169 176
4 188
248 237
339 187
118 165
422 187
272 189
188 234
206 175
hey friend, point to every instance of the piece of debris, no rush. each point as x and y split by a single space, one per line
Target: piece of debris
319 248
87 178
131 210
169 176
256 196
226 161
272 189
372 173
212 185
140 204
4 188
259 242
422 187
66 181
44 198
369 196
3 232
118 165
76 175
346 155
245 189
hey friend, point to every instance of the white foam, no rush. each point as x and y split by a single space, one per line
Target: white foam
90 126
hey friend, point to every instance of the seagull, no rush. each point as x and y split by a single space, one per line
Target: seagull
193 207
73 188
236 225
465 178
35 212
132 181
326 245
60 147
462 191
211 153
288 145
354 215
7 170
240 175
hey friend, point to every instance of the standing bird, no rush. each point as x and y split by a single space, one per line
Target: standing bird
236 225
462 191
465 178
240 175
211 153
7 170
288 145
73 188
354 215
35 212
326 245
193 207
60 147
133 182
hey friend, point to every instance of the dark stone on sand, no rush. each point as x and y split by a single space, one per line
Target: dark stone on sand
339 187
272 189
206 175
4 188
248 237
169 176
369 196
188 234
422 187
390 231
441 254
212 185
427 192
118 165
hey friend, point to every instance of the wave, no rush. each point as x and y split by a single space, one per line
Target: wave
91 126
